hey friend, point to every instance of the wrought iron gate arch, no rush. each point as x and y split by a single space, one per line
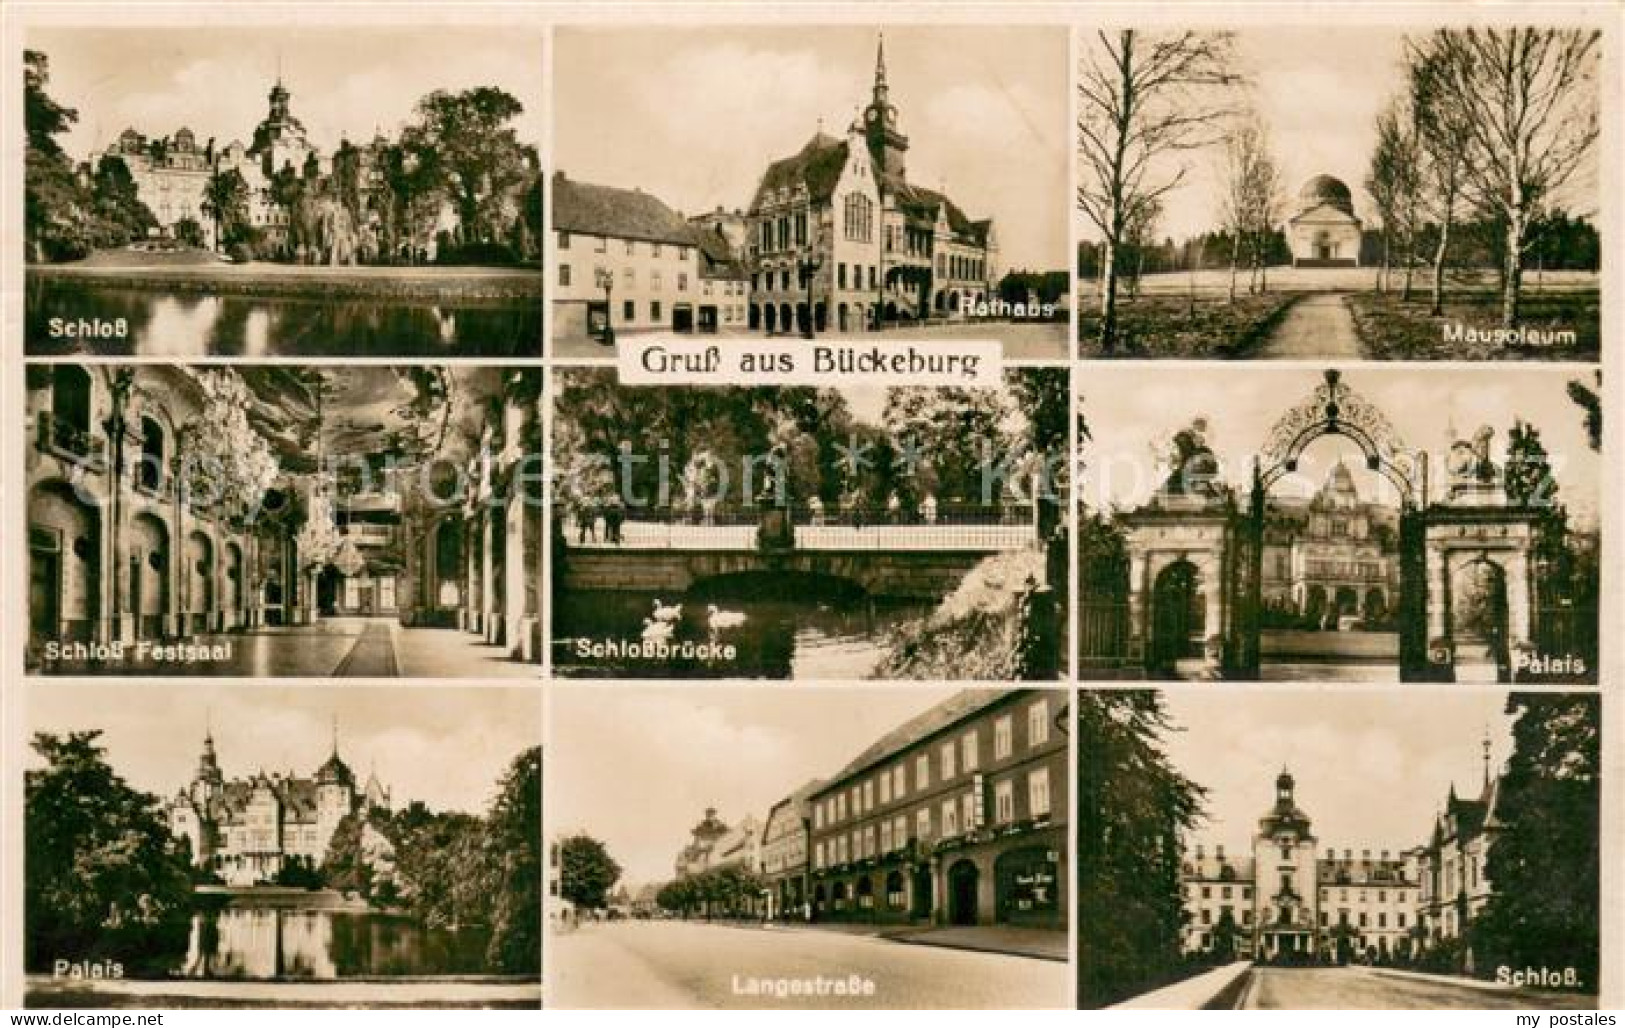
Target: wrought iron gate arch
1334 408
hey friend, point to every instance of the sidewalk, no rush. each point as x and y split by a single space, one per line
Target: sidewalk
1038 943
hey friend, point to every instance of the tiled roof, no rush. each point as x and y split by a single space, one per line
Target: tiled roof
619 213
817 166
949 712
924 203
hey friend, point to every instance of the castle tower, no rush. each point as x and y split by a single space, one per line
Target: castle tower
1286 894
887 145
335 795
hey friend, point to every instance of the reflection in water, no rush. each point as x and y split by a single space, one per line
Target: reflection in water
186 323
835 637
269 942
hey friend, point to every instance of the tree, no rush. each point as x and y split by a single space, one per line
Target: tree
1544 862
1526 98
1395 184
1143 99
1251 200
587 872
1444 140
477 155
225 201
957 435
53 212
513 850
1527 470
1133 807
1589 399
344 867
103 877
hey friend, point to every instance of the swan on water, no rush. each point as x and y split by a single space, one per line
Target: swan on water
724 618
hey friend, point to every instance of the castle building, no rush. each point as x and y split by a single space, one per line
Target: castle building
837 234
957 816
1324 231
1332 556
1454 861
246 829
1285 901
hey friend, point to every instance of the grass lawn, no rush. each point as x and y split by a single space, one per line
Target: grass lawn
1163 325
1392 330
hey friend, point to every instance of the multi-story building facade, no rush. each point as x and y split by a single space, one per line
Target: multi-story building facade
1282 902
1332 556
1453 864
118 550
785 852
643 251
838 236
246 829
956 817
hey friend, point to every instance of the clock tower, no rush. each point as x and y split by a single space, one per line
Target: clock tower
886 144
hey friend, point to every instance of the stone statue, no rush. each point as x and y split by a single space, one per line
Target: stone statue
1470 461
1193 467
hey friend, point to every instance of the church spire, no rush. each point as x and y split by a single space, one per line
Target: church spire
880 61
1486 760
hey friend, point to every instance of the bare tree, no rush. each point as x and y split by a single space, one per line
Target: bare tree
1395 184
1251 199
1143 99
1445 139
1527 100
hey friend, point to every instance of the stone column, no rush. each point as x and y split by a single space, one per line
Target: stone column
1138 612
488 592
1520 615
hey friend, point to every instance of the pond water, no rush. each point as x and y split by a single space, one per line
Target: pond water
186 323
832 637
268 942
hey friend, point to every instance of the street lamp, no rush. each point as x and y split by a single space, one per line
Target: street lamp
807 265
606 281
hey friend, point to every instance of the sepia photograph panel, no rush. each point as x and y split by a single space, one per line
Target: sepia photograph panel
891 848
250 846
282 521
902 183
1346 193
274 191
836 533
1360 524
1311 850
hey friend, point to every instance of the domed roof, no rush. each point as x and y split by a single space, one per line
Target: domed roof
1325 189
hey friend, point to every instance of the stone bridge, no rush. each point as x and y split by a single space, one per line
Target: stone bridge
906 574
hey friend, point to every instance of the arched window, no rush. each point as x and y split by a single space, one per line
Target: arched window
150 471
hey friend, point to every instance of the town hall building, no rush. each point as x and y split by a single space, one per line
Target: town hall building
836 233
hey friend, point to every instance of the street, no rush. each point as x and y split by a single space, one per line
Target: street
685 965
1361 988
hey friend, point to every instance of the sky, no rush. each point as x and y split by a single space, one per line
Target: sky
643 763
694 116
345 83
1319 91
446 747
1132 414
1371 768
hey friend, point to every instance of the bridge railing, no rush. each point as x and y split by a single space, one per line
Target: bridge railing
947 527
